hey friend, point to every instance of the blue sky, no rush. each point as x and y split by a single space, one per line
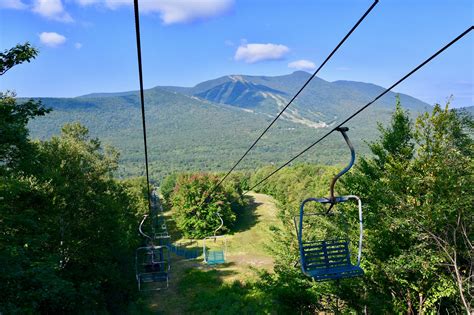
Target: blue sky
89 45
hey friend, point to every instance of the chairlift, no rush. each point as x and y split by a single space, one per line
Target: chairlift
216 253
330 259
186 249
152 267
152 263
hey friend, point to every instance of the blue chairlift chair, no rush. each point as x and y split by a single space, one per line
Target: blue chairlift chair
182 249
330 259
152 267
217 254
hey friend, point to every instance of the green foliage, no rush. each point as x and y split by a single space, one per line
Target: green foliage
167 185
16 55
418 196
69 230
14 144
196 212
395 140
14 117
417 192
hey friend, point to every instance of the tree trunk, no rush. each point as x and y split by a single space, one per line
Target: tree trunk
409 304
421 301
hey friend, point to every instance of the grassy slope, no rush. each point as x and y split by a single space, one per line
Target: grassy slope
247 252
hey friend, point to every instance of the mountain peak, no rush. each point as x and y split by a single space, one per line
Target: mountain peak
236 78
301 72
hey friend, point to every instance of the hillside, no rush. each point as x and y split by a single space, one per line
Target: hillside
207 127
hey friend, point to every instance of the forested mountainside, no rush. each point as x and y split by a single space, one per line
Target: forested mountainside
207 127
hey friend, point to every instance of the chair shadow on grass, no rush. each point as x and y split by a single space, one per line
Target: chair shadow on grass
206 292
206 277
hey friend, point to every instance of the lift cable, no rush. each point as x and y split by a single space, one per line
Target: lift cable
364 107
142 97
294 97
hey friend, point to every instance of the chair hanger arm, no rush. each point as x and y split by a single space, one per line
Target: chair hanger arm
343 131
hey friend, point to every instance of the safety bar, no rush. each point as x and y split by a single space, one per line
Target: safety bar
220 226
140 228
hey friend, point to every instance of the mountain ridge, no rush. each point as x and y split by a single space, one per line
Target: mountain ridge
318 106
208 126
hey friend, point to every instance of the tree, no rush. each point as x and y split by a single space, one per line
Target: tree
417 195
197 212
445 187
16 55
167 186
14 117
68 228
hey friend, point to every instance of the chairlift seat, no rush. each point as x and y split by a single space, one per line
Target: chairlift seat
214 257
153 277
153 267
329 260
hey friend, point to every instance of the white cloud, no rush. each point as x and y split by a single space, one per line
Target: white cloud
87 2
252 53
52 39
52 9
78 45
113 4
12 4
302 64
173 11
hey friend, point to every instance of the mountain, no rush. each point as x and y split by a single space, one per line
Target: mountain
321 103
209 126
469 110
239 93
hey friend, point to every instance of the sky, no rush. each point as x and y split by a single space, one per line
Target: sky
89 46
